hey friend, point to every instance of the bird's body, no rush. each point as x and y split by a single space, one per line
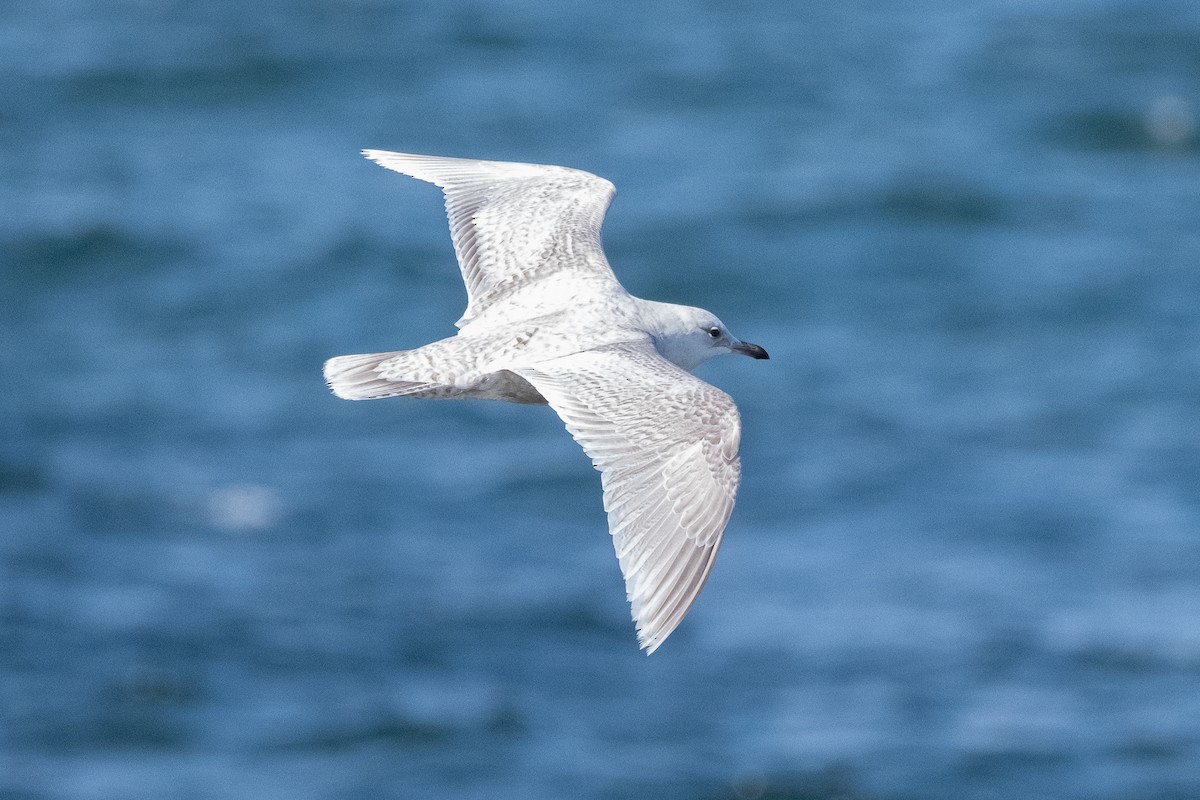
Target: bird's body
547 322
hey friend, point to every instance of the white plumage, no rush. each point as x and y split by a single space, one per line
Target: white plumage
547 322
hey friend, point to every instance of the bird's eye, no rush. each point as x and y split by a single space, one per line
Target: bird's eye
714 332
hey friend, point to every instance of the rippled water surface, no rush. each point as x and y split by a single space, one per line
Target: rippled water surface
965 561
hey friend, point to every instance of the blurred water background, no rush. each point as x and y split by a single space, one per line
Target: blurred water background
965 561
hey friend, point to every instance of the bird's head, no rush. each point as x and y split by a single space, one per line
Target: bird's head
692 336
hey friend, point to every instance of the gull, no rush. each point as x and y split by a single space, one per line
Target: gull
548 323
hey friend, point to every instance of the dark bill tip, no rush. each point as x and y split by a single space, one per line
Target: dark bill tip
748 349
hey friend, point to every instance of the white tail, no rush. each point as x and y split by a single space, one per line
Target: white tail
359 377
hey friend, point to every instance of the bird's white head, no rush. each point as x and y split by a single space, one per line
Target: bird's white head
688 336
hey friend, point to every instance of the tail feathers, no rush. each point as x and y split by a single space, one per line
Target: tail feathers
359 377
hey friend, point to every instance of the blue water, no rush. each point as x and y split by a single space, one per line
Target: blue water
965 561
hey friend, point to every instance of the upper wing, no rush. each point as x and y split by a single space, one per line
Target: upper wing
666 445
513 223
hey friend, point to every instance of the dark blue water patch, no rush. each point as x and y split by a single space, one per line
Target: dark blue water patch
577 623
1168 126
390 732
495 35
944 200
839 781
922 201
1116 659
89 255
993 765
137 697
1065 50
1148 749
135 713
248 75
17 476
117 511
219 55
1145 38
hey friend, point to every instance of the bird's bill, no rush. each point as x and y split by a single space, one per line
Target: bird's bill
749 349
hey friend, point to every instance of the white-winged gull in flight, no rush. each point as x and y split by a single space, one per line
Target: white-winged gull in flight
547 322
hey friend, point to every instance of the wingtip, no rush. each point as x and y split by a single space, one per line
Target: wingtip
650 642
431 169
390 159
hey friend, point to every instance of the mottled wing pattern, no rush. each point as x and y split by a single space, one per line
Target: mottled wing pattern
513 223
666 445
